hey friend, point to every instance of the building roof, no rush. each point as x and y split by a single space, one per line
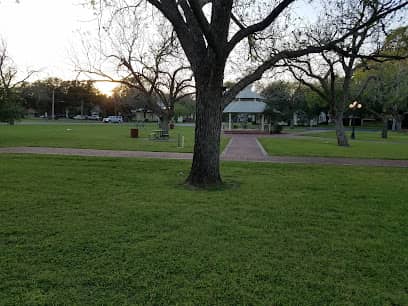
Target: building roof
247 94
245 107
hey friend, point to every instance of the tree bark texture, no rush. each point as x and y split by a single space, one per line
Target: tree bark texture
164 123
340 133
397 123
384 131
205 169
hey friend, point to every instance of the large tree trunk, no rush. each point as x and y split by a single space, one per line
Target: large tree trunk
384 131
205 169
340 133
164 122
291 121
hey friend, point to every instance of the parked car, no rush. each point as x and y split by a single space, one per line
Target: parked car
113 119
79 117
60 116
93 117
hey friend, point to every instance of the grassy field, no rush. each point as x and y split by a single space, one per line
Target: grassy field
327 147
95 136
369 136
93 231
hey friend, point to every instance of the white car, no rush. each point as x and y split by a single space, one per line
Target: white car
113 119
93 117
79 117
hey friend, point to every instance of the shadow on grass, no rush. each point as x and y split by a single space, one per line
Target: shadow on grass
226 185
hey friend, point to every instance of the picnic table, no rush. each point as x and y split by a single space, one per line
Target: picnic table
159 134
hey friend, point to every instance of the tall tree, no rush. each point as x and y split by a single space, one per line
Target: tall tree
211 31
330 73
385 84
152 66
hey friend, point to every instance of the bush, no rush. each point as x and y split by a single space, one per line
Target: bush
276 128
10 111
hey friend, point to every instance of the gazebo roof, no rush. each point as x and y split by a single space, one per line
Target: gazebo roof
245 107
247 94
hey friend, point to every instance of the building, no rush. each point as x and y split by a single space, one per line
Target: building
144 115
248 106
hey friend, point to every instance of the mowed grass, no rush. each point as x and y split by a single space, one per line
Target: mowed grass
96 136
369 136
327 147
93 231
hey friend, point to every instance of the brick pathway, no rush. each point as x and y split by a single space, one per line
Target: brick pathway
240 148
244 147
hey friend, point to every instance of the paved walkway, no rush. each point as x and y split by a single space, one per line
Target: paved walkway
240 148
92 152
244 147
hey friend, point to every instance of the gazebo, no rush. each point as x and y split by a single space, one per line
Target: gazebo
247 102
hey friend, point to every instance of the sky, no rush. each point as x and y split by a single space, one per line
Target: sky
41 34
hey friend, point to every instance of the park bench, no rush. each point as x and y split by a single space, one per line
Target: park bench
139 124
159 135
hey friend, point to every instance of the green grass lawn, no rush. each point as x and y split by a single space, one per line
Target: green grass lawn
95 136
369 136
327 147
93 231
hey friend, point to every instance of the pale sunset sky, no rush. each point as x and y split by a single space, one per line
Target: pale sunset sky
40 34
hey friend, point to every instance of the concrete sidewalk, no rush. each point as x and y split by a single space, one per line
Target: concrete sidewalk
240 148
93 152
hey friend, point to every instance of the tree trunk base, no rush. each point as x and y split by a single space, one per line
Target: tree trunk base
384 131
164 124
384 134
342 143
342 140
203 182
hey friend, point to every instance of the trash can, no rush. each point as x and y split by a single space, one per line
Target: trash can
134 133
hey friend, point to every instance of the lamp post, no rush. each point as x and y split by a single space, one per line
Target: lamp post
353 107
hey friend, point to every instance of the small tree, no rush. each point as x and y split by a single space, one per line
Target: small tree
10 101
185 107
286 97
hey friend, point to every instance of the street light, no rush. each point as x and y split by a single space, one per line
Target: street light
353 107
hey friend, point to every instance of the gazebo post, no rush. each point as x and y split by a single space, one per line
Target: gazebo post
229 121
262 122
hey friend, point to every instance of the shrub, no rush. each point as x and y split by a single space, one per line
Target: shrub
276 128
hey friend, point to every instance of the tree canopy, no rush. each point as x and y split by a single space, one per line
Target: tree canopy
250 38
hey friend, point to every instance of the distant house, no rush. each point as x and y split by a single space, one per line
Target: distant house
30 112
248 106
144 115
300 118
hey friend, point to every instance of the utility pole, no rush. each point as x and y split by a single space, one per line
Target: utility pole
53 105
